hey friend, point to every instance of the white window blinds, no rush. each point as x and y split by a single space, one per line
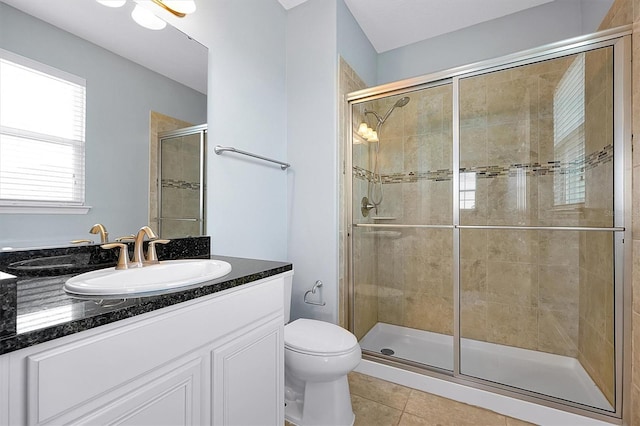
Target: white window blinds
42 134
467 190
568 135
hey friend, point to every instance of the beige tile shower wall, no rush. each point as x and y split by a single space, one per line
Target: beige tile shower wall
596 338
415 285
522 288
634 399
621 13
519 288
598 206
366 308
181 186
158 123
365 282
364 254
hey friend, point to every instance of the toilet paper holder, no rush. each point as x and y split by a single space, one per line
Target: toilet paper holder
315 287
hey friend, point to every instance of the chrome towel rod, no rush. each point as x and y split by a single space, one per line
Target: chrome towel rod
220 149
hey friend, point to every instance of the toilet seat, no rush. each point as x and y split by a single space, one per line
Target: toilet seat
318 338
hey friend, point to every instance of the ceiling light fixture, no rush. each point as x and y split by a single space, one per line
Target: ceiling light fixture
147 19
112 3
179 8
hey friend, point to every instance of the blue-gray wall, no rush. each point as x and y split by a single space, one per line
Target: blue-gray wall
247 108
120 96
246 209
355 47
548 23
312 149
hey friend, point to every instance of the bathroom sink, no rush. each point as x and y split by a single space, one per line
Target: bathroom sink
166 275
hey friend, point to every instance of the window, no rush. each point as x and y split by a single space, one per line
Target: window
467 190
42 137
568 136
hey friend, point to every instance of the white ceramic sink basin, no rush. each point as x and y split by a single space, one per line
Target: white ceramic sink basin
166 275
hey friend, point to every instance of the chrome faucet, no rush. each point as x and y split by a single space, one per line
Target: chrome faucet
138 256
98 228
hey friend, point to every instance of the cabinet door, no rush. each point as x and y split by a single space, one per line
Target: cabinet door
169 396
248 378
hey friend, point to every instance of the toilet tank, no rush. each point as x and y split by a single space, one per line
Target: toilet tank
288 284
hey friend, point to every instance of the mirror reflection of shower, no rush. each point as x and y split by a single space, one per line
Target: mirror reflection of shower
181 191
375 192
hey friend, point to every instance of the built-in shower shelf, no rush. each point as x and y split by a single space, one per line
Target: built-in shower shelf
384 218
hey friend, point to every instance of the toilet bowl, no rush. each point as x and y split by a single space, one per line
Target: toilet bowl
317 358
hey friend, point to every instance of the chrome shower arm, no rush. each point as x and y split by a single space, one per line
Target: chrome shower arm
378 118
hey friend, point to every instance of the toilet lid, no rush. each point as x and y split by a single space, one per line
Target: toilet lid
318 337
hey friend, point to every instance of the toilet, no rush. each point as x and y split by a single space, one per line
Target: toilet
317 357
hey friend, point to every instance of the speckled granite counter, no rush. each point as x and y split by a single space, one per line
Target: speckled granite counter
45 312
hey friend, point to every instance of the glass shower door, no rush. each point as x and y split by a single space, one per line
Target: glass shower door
537 240
402 242
181 182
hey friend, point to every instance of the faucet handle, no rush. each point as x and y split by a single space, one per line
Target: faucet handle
152 257
126 238
81 241
123 257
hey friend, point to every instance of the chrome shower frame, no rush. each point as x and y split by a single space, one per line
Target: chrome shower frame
620 40
201 131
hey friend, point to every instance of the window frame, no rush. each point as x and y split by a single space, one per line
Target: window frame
77 205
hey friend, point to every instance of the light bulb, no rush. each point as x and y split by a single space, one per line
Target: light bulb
112 3
362 129
373 137
182 6
147 19
368 134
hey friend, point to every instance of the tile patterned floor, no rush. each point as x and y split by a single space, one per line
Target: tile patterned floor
379 403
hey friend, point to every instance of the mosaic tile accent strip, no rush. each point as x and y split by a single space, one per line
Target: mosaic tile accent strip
591 161
180 184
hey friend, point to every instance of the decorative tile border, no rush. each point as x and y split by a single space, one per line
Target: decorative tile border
180 184
593 160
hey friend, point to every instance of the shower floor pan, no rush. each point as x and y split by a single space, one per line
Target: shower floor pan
554 375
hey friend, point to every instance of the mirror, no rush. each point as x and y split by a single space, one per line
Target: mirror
139 82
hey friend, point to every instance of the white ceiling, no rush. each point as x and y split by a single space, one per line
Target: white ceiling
389 24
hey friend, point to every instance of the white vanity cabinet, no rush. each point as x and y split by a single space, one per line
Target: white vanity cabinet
218 359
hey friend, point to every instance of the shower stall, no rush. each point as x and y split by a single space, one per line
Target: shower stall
181 191
489 209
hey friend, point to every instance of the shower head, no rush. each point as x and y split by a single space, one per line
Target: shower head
402 102
399 104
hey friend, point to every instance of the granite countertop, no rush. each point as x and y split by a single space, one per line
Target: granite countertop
44 311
